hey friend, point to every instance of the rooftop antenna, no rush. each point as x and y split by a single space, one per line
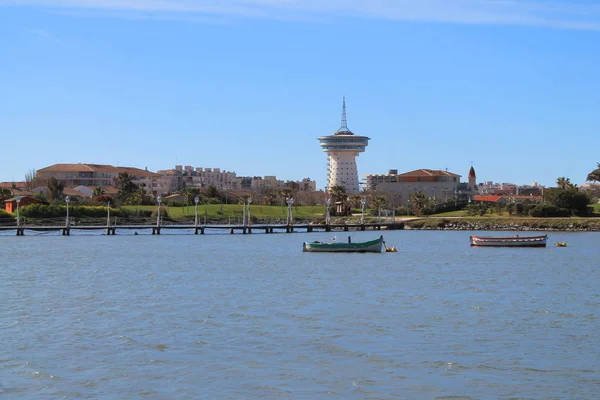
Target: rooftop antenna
344 128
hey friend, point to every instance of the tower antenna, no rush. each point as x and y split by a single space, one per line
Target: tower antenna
344 128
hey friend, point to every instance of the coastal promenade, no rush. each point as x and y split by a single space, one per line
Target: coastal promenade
203 229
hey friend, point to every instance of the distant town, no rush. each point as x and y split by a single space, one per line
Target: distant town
84 181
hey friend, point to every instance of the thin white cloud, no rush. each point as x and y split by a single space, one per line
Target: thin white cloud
564 14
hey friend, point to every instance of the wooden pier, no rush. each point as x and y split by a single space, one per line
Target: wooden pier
202 229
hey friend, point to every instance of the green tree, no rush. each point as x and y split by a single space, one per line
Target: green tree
377 203
98 190
55 188
127 188
338 193
418 200
574 200
355 201
594 176
563 183
5 193
140 197
270 198
191 193
286 193
30 179
212 192
510 208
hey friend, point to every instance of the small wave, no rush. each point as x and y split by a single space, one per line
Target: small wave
454 398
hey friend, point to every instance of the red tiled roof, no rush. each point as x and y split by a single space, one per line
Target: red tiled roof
9 185
487 199
97 168
427 172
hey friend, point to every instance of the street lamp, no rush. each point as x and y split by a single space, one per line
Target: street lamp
327 213
289 201
248 214
196 201
363 202
18 200
158 200
67 200
108 214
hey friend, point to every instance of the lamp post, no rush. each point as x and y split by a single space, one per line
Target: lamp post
108 214
363 202
289 201
18 200
67 200
196 201
248 214
158 200
244 214
327 213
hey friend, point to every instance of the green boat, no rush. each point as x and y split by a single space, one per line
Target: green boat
372 246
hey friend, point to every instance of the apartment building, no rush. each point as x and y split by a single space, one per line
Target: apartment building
97 175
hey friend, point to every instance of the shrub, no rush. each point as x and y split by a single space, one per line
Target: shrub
60 210
6 216
548 211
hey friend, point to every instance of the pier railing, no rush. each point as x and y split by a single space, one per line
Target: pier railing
112 226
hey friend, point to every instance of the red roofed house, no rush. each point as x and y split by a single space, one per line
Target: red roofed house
438 184
10 205
95 175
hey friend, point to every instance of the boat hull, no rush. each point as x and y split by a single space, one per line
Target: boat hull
509 241
373 246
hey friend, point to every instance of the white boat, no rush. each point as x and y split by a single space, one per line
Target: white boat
509 241
372 246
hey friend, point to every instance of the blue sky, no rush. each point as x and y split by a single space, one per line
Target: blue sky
248 86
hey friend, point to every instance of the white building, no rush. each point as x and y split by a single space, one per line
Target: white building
189 177
342 148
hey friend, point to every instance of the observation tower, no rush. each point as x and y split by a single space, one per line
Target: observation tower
342 148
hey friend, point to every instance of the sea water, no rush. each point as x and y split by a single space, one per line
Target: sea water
185 316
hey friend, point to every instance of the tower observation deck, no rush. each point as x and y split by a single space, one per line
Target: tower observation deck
342 148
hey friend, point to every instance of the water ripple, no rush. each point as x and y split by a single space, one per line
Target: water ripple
251 316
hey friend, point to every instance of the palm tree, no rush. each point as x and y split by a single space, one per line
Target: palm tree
355 201
418 201
140 197
563 182
55 188
270 198
594 176
338 193
378 202
190 194
286 193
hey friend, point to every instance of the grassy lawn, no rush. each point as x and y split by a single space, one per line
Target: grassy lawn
211 211
459 213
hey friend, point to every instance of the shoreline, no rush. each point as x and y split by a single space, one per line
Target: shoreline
507 224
